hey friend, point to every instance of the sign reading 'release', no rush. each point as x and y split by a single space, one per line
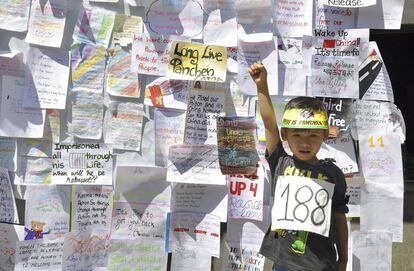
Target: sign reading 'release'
82 163
198 62
349 3
302 204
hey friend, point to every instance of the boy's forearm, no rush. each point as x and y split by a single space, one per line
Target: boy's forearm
342 236
265 106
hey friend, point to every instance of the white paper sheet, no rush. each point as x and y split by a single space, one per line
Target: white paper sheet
124 126
252 48
371 251
169 130
292 18
10 234
89 163
381 158
137 254
15 120
194 164
221 25
8 209
382 208
39 255
195 231
85 250
135 220
47 23
150 53
47 212
204 106
285 215
14 15
162 92
91 207
142 184
238 257
334 18
190 260
200 198
371 117
184 18
257 12
46 78
386 14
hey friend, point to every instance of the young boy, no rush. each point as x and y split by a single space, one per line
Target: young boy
304 127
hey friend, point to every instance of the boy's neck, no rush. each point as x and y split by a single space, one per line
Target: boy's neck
312 162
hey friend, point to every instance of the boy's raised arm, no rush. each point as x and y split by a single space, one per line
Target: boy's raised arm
259 75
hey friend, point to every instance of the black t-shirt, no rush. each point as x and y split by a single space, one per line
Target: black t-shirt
300 250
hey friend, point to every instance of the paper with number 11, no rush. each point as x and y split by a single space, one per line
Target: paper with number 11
302 204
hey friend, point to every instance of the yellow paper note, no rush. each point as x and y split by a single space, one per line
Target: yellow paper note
199 62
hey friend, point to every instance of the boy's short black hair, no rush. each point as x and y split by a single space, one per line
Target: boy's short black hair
305 102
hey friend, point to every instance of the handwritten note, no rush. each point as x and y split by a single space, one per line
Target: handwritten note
8 209
135 221
87 67
124 126
204 106
47 23
236 139
316 194
184 18
381 158
150 53
349 3
47 212
87 115
94 25
46 79
10 234
252 48
236 258
339 115
292 18
292 79
137 254
85 250
190 61
194 164
39 255
353 190
82 163
124 27
91 207
195 231
334 77
334 18
169 130
163 92
371 117
14 15
142 184
17 121
120 81
200 198
246 195
371 250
